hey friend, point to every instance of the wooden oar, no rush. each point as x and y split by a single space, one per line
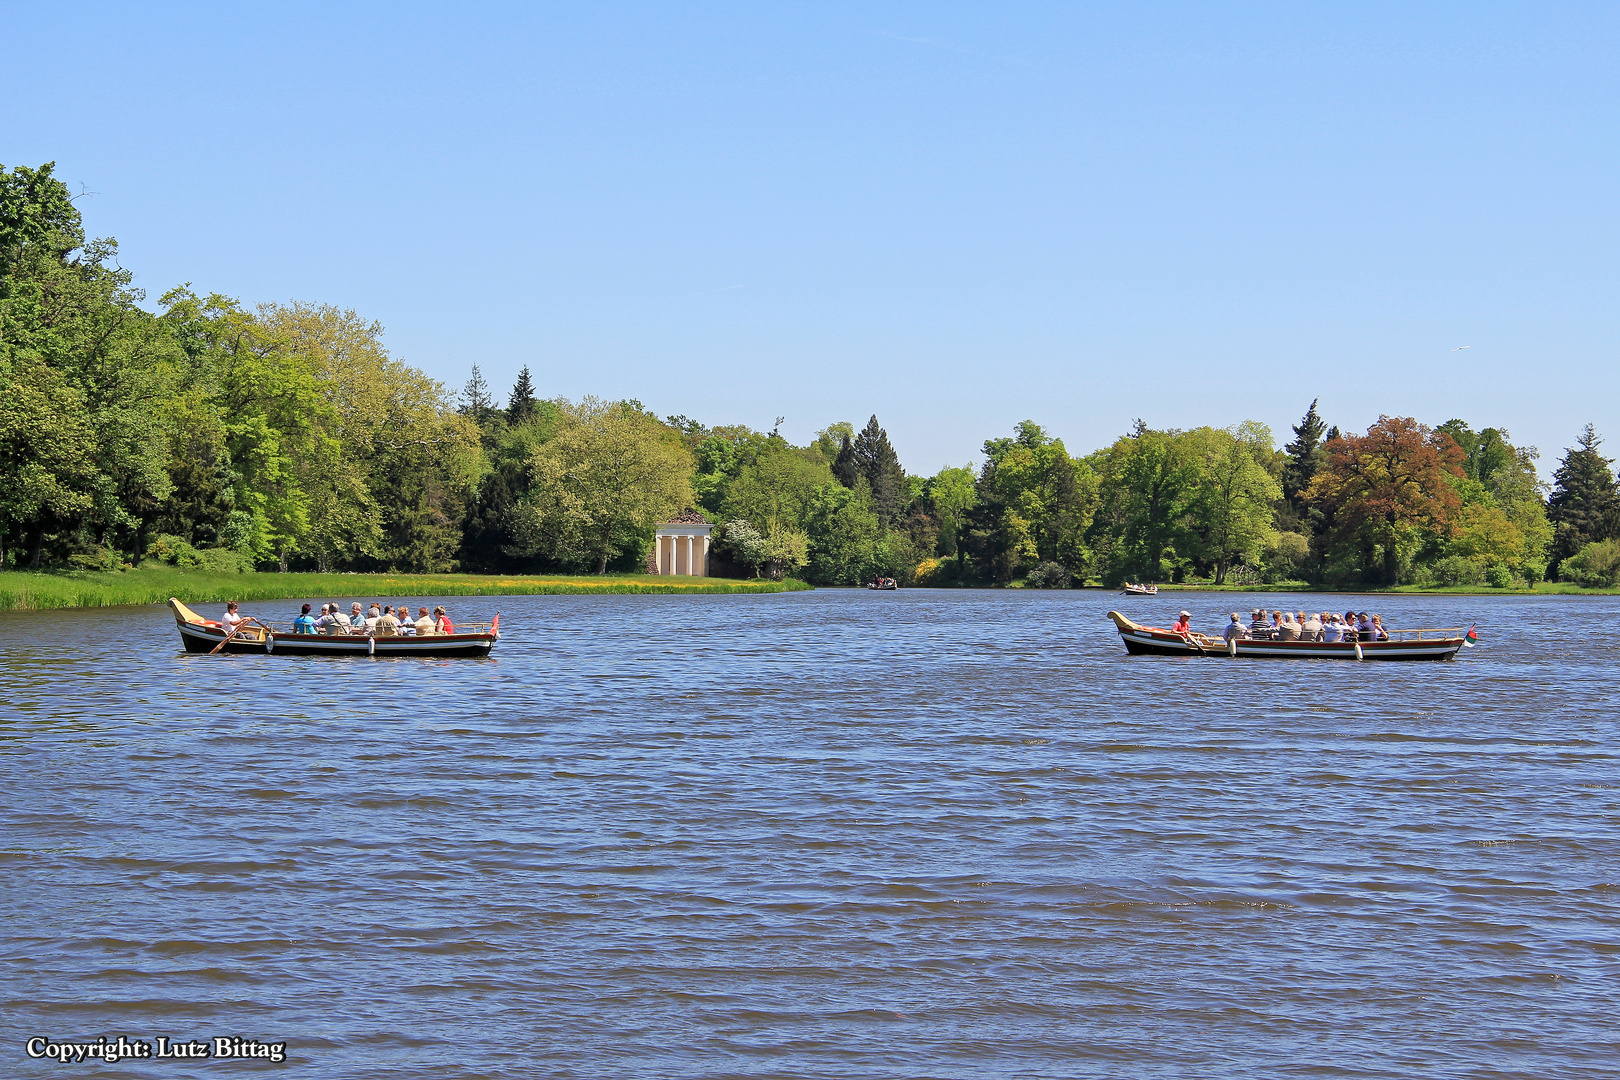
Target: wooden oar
234 631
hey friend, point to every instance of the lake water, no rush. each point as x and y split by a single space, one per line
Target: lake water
830 834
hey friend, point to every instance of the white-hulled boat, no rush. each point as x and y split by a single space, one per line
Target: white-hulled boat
1141 590
1402 645
200 635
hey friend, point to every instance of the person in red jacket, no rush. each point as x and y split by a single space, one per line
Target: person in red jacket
1183 624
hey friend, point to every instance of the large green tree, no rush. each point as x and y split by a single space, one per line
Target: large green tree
1047 499
1232 510
73 336
845 540
1585 501
602 482
1149 484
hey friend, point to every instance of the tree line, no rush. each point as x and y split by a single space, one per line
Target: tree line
205 433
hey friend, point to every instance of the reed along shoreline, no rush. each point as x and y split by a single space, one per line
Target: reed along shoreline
27 591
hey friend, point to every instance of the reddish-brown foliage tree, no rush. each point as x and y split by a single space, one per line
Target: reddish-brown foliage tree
1383 484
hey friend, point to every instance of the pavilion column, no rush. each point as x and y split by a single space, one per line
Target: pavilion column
703 565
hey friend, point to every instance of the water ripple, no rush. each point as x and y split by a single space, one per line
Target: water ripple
817 835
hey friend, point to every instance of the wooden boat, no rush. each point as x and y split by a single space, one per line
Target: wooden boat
200 635
1402 645
887 584
1141 590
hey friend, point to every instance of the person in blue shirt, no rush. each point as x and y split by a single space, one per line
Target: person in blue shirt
305 623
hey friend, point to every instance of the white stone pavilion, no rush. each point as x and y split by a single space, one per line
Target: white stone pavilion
681 547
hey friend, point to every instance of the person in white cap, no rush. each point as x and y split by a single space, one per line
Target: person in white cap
1183 624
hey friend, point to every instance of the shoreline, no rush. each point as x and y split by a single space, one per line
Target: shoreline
1546 588
22 590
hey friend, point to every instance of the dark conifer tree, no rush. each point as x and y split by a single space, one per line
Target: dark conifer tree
475 400
1585 503
1304 455
520 406
844 469
876 460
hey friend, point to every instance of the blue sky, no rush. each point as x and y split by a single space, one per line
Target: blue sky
956 217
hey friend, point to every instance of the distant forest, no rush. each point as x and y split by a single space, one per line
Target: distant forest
285 436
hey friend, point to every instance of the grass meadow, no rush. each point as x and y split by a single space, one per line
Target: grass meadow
148 584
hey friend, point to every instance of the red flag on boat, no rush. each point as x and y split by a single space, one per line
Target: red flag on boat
1471 638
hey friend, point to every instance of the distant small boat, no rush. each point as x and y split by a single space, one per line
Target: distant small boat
1141 590
200 635
887 584
1402 645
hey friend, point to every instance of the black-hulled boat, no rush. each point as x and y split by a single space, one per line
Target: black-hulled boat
200 635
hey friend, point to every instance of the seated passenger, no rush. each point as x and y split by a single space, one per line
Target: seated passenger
425 626
1287 628
1310 627
407 628
445 625
1364 627
387 624
1257 622
373 619
1234 629
1332 629
1379 633
357 619
305 623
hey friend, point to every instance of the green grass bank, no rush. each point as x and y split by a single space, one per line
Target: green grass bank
24 591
